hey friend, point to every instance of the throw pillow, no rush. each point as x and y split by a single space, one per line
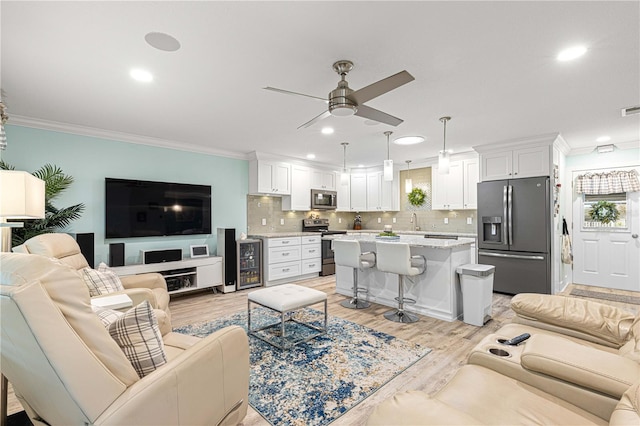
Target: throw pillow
107 316
101 282
138 335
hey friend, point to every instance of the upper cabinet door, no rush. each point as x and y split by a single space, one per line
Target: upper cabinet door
471 174
300 198
497 165
531 162
448 189
359 192
269 177
322 179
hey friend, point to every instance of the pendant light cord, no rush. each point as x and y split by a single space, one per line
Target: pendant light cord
388 133
444 139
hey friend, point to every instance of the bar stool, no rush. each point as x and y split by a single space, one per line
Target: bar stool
396 258
348 253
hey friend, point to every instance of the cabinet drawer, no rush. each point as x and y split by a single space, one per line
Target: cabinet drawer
312 250
316 239
284 242
284 270
284 254
311 265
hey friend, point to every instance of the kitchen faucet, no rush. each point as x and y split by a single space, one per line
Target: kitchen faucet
414 220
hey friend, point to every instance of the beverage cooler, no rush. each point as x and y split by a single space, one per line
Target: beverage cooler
249 254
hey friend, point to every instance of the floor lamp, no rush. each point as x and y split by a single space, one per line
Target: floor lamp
21 197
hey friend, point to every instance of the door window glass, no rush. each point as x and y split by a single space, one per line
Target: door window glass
605 211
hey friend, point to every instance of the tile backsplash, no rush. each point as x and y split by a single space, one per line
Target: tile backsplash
269 209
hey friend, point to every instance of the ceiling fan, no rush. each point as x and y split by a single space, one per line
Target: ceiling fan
344 101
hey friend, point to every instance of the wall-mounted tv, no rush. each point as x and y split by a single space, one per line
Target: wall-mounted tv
138 208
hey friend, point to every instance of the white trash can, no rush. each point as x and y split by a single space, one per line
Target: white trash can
476 282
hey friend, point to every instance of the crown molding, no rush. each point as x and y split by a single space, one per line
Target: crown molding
539 140
36 123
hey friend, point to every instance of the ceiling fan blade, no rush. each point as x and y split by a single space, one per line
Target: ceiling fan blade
288 92
380 87
315 119
376 115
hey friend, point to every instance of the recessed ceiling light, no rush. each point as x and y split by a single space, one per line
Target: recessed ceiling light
361 165
408 140
311 156
603 139
371 122
141 75
327 130
571 53
162 41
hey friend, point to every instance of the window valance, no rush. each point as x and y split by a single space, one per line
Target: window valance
608 183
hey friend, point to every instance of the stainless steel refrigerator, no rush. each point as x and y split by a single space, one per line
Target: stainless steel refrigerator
514 233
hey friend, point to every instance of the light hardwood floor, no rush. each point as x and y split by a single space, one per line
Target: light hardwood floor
450 341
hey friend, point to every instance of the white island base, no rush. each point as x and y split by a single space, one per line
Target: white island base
437 291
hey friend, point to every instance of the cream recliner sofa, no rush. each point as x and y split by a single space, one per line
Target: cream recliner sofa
67 370
480 396
150 286
584 352
580 366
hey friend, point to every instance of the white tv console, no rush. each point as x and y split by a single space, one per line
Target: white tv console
181 276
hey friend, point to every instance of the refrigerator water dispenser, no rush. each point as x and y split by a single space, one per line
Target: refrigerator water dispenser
492 229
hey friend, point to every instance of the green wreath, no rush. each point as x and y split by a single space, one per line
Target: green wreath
604 211
416 197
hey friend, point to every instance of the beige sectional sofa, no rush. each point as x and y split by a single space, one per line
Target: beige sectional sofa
580 366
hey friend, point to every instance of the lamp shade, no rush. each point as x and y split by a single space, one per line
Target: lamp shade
388 170
443 163
21 195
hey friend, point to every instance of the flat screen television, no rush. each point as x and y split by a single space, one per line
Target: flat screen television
138 208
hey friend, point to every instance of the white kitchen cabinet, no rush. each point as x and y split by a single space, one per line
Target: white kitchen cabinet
515 163
447 189
269 177
344 194
358 192
457 189
292 258
300 198
379 192
471 176
323 179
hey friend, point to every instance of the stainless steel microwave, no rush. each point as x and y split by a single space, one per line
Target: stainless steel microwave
323 200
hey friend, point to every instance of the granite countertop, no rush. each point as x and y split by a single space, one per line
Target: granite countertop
412 240
283 234
400 232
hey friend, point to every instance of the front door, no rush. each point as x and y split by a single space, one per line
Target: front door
606 255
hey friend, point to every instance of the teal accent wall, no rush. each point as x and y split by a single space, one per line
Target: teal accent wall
89 160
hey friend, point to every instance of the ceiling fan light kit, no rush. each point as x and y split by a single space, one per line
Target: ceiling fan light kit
443 156
344 101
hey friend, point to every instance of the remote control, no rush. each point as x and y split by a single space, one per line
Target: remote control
517 340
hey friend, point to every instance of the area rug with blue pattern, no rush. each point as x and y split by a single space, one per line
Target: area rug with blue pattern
316 382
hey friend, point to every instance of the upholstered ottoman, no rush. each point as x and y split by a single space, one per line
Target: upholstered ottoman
285 299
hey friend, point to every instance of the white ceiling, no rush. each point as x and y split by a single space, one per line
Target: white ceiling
489 65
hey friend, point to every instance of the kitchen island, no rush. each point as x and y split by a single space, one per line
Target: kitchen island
437 291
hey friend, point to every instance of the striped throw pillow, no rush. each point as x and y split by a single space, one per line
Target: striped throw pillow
101 282
138 335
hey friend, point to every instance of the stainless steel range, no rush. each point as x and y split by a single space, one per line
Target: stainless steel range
322 226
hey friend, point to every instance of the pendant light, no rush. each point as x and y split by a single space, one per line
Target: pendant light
408 183
388 163
344 176
443 157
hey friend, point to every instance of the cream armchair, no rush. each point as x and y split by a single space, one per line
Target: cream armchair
67 370
63 247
